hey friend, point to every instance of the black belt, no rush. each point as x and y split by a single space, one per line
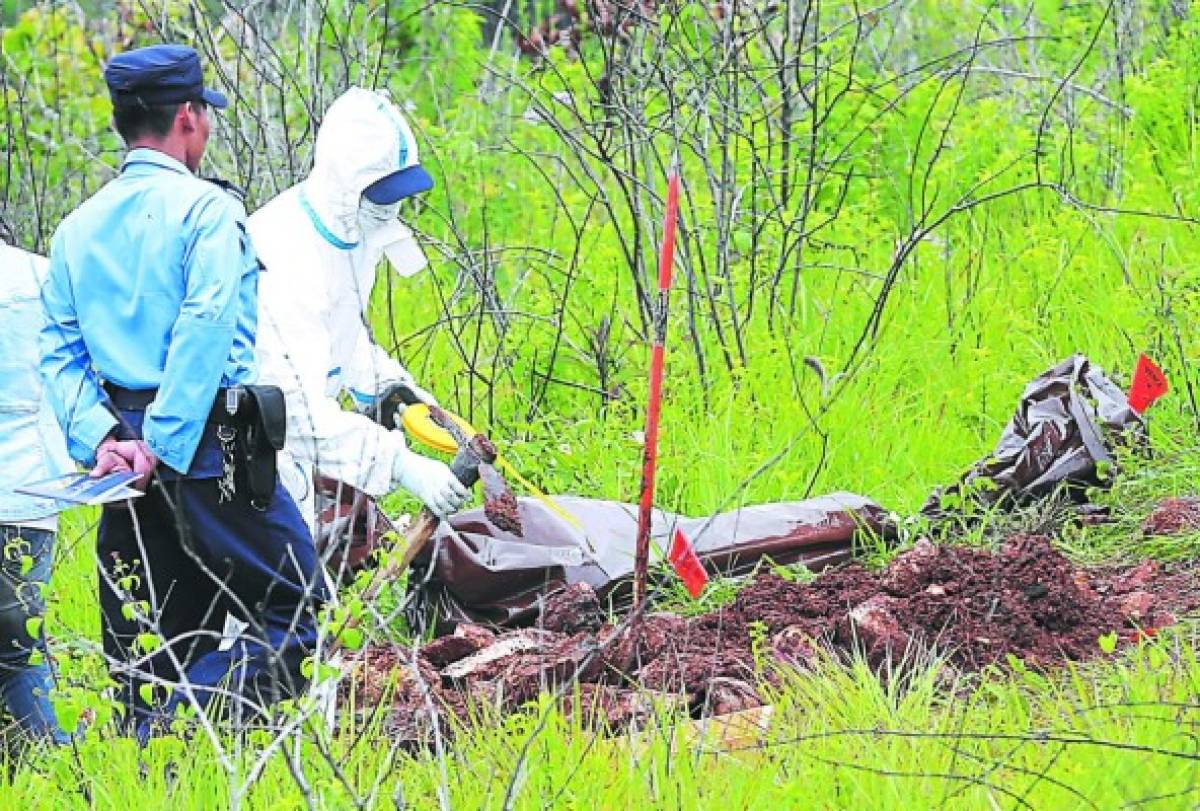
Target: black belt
140 399
259 415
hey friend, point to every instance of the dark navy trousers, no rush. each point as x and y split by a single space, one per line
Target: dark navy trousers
183 559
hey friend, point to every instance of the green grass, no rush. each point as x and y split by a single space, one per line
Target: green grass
985 303
1118 731
1097 736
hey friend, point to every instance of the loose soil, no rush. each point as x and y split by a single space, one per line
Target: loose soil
976 607
1174 516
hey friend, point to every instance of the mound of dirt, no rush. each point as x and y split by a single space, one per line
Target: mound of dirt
977 607
1174 516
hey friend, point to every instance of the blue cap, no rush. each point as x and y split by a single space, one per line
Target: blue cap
159 74
398 185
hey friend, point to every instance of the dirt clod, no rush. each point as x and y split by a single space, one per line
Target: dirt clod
1136 578
693 673
1174 516
793 647
563 660
1137 605
875 623
911 570
614 709
726 695
418 708
466 640
572 609
503 510
381 669
656 635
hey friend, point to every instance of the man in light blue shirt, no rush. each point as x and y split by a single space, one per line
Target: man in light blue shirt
151 301
170 283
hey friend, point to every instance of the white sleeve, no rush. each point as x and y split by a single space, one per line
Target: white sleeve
371 370
295 355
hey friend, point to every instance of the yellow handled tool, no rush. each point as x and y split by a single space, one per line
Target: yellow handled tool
421 427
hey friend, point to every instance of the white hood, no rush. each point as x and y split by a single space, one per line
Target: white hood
363 138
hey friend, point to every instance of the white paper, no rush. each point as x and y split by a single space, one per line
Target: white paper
81 488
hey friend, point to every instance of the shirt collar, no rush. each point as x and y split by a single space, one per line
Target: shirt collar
144 156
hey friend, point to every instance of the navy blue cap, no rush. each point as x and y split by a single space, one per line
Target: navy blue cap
159 74
398 185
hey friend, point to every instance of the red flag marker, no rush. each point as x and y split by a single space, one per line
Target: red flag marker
1149 383
666 258
687 564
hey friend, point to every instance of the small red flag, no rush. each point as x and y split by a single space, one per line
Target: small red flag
1149 383
687 565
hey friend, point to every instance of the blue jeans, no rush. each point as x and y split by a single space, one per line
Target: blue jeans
24 572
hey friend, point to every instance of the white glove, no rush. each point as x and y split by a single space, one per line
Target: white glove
430 481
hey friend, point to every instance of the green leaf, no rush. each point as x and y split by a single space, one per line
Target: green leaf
148 642
146 692
1108 642
135 609
33 627
353 638
67 711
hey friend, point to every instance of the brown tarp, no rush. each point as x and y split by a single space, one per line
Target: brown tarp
482 574
1062 438
349 527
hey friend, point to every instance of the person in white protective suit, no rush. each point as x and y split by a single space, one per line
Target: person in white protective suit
320 243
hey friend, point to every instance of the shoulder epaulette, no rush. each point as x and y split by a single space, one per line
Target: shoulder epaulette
228 187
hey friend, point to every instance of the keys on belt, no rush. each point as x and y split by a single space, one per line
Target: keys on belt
233 399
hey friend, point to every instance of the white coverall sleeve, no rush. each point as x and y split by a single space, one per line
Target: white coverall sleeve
341 444
372 370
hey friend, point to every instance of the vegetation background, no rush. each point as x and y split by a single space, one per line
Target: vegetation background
929 202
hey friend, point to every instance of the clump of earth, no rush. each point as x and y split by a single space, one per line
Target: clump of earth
977 607
1174 516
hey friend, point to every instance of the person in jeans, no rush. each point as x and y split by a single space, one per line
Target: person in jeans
32 448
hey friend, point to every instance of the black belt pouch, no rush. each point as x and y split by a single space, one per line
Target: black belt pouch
262 420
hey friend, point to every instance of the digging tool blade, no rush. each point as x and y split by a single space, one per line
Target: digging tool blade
499 503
